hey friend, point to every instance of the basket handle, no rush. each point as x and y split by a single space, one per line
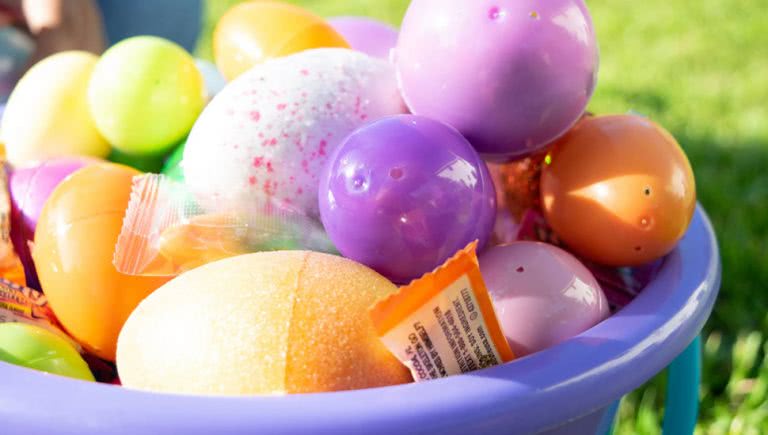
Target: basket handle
682 401
682 398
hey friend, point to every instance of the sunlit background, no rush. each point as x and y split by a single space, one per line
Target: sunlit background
699 68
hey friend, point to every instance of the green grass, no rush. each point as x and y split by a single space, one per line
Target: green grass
700 68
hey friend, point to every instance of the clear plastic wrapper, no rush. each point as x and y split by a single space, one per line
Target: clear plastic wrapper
167 230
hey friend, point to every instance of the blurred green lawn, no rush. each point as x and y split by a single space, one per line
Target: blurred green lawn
700 68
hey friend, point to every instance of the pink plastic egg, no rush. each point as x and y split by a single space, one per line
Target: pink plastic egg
30 187
542 295
510 75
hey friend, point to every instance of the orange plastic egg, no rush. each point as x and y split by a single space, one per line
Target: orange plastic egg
74 245
255 31
618 190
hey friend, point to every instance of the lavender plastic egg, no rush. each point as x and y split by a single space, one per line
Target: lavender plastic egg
403 194
511 75
542 295
372 37
30 187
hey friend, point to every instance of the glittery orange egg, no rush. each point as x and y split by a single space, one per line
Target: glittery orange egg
618 190
264 323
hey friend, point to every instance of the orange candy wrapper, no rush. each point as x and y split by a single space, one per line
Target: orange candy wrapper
443 323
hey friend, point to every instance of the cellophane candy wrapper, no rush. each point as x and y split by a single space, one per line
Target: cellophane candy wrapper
167 230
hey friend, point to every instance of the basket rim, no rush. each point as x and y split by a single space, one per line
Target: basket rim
562 383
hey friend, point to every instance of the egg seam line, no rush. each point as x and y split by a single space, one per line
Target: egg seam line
297 287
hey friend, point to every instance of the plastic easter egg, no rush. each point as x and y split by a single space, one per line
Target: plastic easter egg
542 295
265 323
370 36
172 168
143 162
30 188
36 348
253 32
510 75
618 190
74 245
403 194
47 114
145 94
214 80
267 135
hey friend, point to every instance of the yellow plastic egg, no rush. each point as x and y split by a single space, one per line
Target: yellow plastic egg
255 31
47 114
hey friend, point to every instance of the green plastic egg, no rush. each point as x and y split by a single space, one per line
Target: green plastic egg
143 162
37 348
144 95
172 168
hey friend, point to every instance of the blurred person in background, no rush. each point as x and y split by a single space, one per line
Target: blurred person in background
31 30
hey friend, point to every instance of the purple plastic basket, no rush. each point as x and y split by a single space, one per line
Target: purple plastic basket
566 389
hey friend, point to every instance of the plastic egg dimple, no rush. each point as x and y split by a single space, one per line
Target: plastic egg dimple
47 114
367 35
618 190
542 295
253 32
30 188
510 75
267 135
74 245
36 348
403 194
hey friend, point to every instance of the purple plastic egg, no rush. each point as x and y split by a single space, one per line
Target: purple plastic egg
30 187
510 75
542 295
372 37
405 193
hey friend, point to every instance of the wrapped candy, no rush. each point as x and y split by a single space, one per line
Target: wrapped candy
167 230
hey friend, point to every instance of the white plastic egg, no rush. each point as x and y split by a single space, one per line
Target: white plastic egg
267 135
